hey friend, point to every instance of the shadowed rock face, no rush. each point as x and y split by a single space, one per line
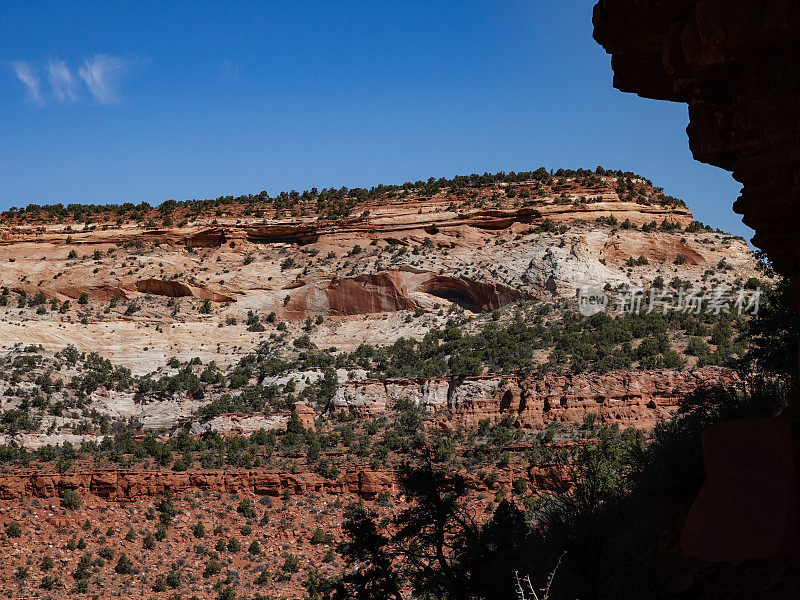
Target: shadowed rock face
161 287
468 293
391 291
176 289
736 63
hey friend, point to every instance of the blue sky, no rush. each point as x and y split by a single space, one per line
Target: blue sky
145 101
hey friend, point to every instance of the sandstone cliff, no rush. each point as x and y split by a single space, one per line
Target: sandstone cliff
132 485
138 293
629 398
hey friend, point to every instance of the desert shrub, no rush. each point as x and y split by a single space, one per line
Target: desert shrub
263 577
173 578
82 570
166 509
148 541
71 500
246 509
49 583
13 529
291 564
226 592
697 347
319 537
124 565
199 531
774 333
212 568
637 262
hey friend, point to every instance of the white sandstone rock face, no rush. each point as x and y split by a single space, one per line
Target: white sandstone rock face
301 379
368 396
405 390
372 396
115 404
167 413
435 393
561 270
343 375
162 414
32 441
236 424
415 252
474 391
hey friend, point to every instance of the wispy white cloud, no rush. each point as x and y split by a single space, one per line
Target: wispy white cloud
101 75
29 79
62 82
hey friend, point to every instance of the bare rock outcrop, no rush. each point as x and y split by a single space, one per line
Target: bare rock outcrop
118 485
391 291
234 424
479 249
306 415
630 398
177 289
734 62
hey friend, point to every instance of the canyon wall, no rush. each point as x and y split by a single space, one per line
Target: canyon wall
139 294
366 483
629 398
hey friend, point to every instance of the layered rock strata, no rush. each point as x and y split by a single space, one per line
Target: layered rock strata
117 485
630 398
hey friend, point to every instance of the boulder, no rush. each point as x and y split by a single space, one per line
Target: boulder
306 415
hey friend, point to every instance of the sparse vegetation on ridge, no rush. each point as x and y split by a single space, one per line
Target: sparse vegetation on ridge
334 202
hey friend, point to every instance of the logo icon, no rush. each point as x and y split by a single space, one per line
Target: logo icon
591 300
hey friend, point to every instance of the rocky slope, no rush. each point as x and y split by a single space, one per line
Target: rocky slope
152 292
286 530
202 388
221 279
